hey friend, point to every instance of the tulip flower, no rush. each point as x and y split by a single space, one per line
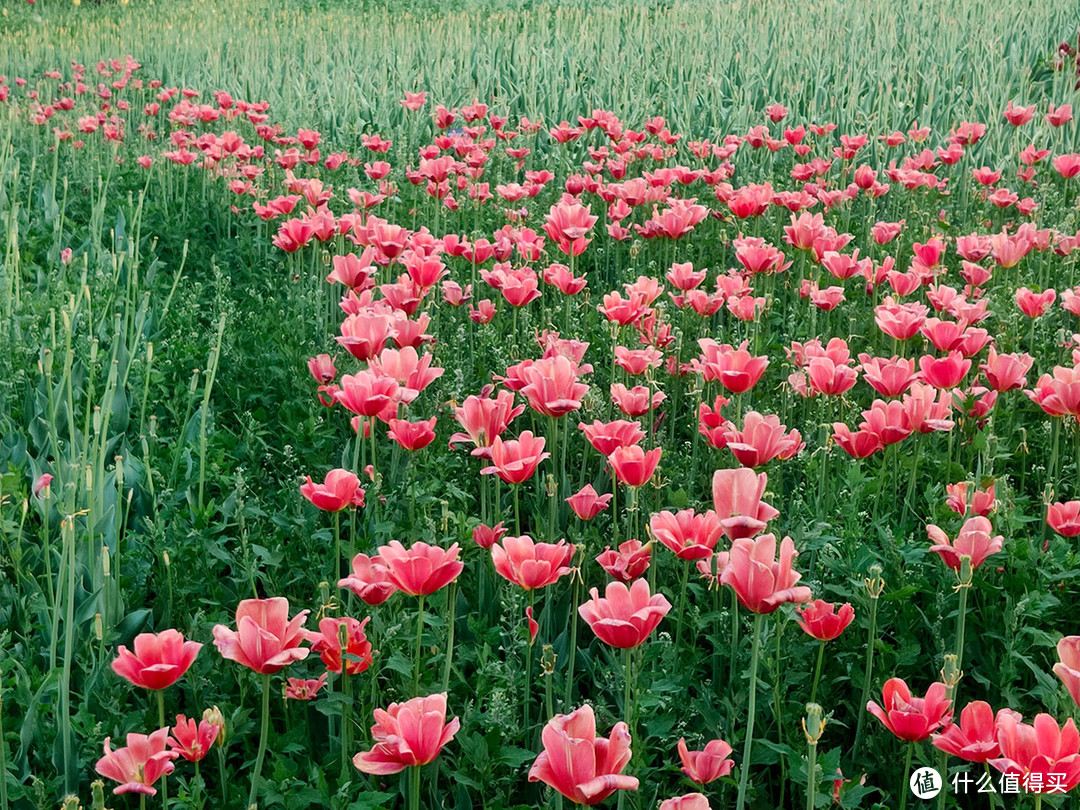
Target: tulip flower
159 660
629 562
762 439
265 640
552 386
137 766
707 765
607 437
515 461
193 740
487 536
409 734
625 617
1068 666
911 718
975 738
300 689
421 569
689 801
1044 756
327 643
974 541
736 369
689 535
1064 518
412 436
737 500
634 466
761 582
370 580
584 769
339 490
587 504
531 565
821 620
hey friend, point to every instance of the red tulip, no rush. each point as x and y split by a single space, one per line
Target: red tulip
689 535
552 386
975 739
1044 756
300 689
634 466
578 765
625 617
327 643
823 621
707 765
159 660
412 436
762 439
628 563
1068 666
422 569
136 767
761 582
736 369
487 536
531 565
973 541
484 418
587 504
338 491
265 640
515 461
370 580
193 740
690 801
1064 518
407 734
737 499
912 719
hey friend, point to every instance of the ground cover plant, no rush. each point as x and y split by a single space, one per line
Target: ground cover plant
476 405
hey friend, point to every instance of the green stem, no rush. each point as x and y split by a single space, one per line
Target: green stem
867 674
452 613
161 724
222 778
572 652
817 671
526 683
907 774
264 731
961 619
751 709
414 792
811 774
682 602
416 652
198 799
337 546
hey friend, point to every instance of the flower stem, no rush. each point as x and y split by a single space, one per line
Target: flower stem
161 724
416 652
527 681
264 731
867 674
907 773
817 671
337 546
452 611
755 654
811 774
682 602
414 792
572 652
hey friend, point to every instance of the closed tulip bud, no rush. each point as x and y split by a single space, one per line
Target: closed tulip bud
215 717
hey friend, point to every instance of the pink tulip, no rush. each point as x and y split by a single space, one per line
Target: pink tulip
975 738
370 580
159 660
339 490
193 740
587 504
531 565
265 640
974 541
137 766
691 536
407 734
762 439
421 569
1044 756
762 582
515 461
707 765
1068 666
634 466
910 718
737 500
584 769
629 562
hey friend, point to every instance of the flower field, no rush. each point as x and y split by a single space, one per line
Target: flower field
475 404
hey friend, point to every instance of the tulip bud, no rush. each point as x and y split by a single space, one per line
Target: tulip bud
99 630
549 485
215 717
165 558
71 803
